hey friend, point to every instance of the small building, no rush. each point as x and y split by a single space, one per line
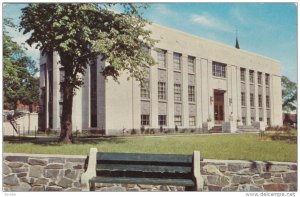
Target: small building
194 81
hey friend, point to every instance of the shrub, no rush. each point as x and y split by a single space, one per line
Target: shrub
176 128
142 129
133 132
161 129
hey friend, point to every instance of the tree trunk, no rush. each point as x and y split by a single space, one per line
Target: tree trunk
66 118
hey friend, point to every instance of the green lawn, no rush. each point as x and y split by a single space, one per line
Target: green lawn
241 147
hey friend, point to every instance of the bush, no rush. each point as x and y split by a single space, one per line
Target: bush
161 129
142 129
176 128
133 132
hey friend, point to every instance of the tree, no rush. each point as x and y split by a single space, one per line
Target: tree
289 94
81 32
18 72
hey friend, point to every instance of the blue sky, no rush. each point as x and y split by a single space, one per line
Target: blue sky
268 29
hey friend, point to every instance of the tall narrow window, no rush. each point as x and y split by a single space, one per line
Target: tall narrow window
177 92
267 79
145 90
177 120
243 99
251 99
162 120
177 61
191 93
260 100
259 80
251 76
161 58
192 121
219 69
162 91
243 74
191 64
93 86
268 101
145 120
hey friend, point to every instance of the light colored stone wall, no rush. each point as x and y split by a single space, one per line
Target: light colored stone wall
26 172
28 123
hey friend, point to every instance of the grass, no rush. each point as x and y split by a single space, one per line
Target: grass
229 147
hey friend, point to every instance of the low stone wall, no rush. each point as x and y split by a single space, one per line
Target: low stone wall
23 172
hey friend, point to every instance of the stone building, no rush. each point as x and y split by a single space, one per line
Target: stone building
195 81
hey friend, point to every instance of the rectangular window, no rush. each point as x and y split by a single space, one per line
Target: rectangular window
191 93
191 64
259 81
177 120
251 76
145 90
260 100
267 79
219 69
244 120
252 119
268 101
162 120
161 58
162 91
243 99
145 120
192 121
261 119
243 74
177 92
177 61
251 99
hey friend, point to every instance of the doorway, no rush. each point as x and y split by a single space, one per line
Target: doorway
219 106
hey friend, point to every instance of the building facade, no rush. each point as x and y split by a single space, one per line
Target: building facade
194 81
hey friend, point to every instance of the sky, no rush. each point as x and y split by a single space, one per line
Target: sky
268 29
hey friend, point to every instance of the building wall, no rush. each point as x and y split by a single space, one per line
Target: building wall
119 104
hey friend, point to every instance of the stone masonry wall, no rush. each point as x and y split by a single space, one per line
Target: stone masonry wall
23 172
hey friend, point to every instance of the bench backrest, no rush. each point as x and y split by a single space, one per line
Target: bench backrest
144 165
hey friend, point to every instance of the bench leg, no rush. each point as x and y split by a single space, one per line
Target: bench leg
91 169
92 186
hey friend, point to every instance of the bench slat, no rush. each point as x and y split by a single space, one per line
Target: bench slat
147 168
150 181
144 157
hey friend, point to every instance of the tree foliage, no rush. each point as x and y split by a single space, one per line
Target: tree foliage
289 94
79 33
18 72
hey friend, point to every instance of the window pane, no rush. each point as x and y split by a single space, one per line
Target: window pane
219 69
177 61
177 92
161 58
177 120
191 64
162 90
145 90
145 120
192 121
243 74
162 120
191 93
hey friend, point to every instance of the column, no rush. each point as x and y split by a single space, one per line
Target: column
198 89
256 97
210 91
248 107
86 100
184 94
264 98
238 93
56 91
234 95
204 100
170 90
154 92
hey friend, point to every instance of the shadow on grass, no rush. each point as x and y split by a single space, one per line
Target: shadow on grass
53 141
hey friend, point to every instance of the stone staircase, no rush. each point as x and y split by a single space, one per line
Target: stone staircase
216 129
247 128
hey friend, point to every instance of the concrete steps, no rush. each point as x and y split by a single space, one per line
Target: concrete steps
247 128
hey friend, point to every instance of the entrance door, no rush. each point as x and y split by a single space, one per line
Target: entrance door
218 106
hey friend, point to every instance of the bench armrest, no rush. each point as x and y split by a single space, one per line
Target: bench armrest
197 171
91 169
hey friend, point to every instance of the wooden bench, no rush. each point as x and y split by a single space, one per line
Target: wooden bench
150 169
